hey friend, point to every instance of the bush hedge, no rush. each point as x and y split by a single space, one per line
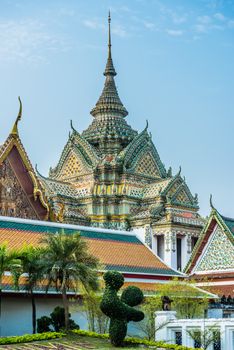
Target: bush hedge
132 341
120 310
27 338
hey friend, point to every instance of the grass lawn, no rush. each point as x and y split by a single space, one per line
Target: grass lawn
70 342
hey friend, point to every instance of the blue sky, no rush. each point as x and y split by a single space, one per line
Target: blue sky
174 60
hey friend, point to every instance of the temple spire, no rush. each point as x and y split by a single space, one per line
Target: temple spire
110 70
14 130
109 102
109 34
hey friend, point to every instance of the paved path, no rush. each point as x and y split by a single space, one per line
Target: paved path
71 345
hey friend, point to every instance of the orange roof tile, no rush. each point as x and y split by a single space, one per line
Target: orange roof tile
122 252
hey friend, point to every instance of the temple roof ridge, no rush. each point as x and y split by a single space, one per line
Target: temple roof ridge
13 144
137 137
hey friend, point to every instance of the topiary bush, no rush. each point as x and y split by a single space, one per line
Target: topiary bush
43 324
58 319
120 311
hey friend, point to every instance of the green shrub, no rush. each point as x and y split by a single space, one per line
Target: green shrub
43 324
159 344
26 338
120 311
58 319
81 332
132 296
132 341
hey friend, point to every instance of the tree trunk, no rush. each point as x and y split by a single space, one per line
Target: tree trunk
34 316
66 308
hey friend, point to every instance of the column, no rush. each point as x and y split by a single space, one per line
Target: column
148 236
186 249
170 253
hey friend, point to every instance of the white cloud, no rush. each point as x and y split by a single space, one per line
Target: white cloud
93 24
27 41
179 19
231 23
149 25
200 28
174 32
204 19
219 16
119 30
116 29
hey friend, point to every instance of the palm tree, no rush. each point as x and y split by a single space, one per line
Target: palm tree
8 262
67 262
32 265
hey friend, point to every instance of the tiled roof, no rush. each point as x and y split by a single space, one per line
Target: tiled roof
229 222
227 289
154 189
119 251
141 214
54 187
226 224
186 289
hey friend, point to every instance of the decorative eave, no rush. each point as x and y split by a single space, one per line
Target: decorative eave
182 186
56 188
85 151
214 219
13 140
138 146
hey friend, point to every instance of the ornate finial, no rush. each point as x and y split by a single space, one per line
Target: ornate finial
109 34
110 70
169 172
72 127
146 127
179 172
14 130
211 202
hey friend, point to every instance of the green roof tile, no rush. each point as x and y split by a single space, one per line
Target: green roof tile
139 269
229 222
83 233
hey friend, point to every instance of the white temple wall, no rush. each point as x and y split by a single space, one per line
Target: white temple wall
164 244
174 327
16 316
140 233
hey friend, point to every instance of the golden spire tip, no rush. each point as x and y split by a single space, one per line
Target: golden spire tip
14 130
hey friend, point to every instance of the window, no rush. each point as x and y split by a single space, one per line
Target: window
217 342
178 242
178 338
160 246
197 339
